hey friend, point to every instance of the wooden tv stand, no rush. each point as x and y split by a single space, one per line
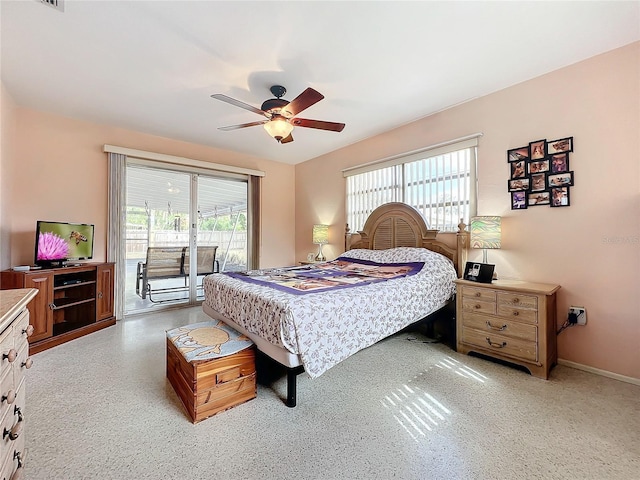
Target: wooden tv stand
71 301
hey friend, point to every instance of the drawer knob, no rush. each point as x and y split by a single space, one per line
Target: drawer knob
516 313
516 300
477 306
11 355
28 330
496 344
28 363
478 294
499 329
10 397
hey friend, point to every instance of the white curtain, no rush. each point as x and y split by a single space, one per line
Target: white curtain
116 248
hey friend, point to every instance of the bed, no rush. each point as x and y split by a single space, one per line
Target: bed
412 276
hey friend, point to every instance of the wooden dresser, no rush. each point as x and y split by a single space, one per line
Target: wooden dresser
14 348
510 320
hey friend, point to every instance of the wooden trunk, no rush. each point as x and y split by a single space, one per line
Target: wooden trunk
207 387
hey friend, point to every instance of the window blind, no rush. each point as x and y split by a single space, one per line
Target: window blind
439 181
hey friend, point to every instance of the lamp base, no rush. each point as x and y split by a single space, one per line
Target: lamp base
320 257
484 260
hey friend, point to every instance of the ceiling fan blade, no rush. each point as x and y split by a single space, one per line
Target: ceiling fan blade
238 103
305 122
243 125
287 139
301 102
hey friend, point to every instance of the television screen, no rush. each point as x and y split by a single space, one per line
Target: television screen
60 241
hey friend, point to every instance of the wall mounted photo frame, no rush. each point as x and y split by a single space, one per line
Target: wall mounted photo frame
519 184
538 166
562 145
518 200
564 179
538 182
560 197
539 174
560 163
538 198
538 150
517 154
518 169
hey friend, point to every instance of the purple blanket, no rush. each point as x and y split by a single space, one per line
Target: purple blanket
342 272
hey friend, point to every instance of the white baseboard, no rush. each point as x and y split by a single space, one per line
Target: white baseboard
597 371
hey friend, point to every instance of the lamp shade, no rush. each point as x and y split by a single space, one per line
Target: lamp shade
321 234
485 232
278 128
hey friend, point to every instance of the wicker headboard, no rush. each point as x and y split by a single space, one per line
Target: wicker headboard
397 224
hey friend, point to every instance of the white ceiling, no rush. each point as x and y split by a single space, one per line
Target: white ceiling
152 66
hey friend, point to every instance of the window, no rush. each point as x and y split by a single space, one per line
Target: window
438 181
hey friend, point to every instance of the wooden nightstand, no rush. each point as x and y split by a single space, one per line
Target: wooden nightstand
510 320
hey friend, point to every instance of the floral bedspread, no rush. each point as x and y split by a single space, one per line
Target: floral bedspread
325 328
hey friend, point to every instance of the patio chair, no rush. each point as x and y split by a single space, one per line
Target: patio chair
206 260
161 263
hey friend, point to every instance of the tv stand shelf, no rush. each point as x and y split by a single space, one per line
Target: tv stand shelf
71 302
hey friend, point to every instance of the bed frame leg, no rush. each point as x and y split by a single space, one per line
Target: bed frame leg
292 374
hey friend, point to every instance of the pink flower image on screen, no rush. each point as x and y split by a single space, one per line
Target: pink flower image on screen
52 247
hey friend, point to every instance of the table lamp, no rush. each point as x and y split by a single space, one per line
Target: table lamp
320 237
485 234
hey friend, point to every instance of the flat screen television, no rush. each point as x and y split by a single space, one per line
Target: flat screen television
61 242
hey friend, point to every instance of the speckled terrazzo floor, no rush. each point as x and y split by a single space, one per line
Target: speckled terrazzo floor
100 407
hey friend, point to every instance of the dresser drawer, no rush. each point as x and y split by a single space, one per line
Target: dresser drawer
22 364
495 343
495 325
8 353
12 425
483 294
14 460
21 329
7 392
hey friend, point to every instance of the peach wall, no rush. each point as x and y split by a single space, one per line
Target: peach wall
592 248
7 133
61 174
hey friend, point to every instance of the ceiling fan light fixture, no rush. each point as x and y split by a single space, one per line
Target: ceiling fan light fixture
278 128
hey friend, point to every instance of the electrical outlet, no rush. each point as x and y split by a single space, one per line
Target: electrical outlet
580 313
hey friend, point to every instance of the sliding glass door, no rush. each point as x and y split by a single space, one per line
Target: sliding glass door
181 225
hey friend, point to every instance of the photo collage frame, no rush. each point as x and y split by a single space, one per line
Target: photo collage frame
539 174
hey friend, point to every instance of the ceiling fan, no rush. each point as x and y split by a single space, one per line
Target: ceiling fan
281 114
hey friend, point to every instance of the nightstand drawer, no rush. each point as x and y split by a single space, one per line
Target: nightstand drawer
483 294
517 300
501 344
495 325
518 314
478 306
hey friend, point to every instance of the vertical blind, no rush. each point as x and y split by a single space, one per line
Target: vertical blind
439 181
